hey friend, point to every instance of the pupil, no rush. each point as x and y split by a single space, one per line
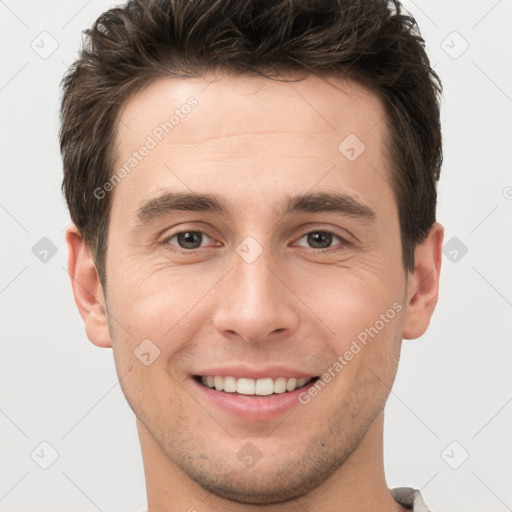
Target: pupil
320 239
190 240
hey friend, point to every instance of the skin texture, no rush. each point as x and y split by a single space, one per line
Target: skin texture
254 142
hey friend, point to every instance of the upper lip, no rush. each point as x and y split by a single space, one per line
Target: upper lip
242 371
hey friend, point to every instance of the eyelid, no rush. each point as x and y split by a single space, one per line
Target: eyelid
183 227
341 233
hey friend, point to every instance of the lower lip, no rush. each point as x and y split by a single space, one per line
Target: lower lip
253 407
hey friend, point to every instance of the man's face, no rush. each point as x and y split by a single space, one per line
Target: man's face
268 285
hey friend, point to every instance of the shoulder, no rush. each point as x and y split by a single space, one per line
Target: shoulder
410 498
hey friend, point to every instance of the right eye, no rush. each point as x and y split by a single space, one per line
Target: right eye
188 239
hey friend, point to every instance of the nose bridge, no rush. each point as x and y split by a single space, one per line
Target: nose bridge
253 304
255 282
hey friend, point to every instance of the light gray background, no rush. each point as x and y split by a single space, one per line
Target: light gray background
454 384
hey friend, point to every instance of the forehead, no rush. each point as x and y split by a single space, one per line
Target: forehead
324 104
233 134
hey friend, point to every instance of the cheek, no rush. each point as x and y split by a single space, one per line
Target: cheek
365 347
356 302
156 301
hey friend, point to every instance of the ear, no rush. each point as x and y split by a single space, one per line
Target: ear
423 284
87 289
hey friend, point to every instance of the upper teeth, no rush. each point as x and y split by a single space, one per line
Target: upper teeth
245 386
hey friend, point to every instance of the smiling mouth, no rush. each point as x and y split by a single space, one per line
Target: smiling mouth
258 387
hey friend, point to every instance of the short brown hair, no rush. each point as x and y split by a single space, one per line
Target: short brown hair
372 41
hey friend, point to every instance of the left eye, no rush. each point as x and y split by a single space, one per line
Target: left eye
189 239
319 239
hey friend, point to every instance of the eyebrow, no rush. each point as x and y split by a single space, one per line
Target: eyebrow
167 203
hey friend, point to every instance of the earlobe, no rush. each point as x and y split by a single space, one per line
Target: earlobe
87 289
423 284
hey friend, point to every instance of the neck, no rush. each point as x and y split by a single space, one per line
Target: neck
359 484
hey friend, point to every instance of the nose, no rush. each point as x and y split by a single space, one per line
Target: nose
255 304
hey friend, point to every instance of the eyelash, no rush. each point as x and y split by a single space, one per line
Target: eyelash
339 247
